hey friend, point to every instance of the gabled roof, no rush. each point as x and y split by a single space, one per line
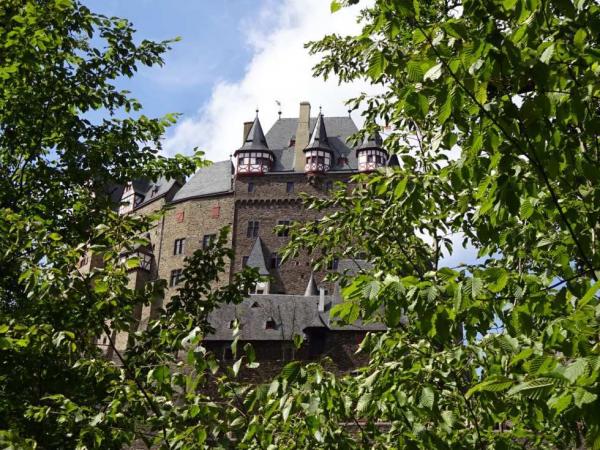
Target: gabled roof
257 257
209 180
318 138
255 140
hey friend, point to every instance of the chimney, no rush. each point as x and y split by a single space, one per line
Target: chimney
321 299
247 126
302 136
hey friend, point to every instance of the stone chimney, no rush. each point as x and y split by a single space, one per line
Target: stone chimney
247 126
302 136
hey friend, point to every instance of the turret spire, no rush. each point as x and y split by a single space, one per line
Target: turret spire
318 139
255 140
311 288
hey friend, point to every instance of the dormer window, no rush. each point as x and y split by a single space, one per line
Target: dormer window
317 161
254 156
270 324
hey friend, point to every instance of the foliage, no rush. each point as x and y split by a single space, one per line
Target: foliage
494 107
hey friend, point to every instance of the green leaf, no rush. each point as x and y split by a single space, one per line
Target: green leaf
492 384
427 398
526 209
400 188
580 38
100 286
547 54
377 65
335 6
237 365
576 369
433 73
161 374
589 295
560 403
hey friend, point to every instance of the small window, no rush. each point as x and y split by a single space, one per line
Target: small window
245 261
255 305
180 216
285 231
250 187
208 239
137 199
289 188
178 247
275 260
270 324
333 264
215 212
252 230
227 354
175 277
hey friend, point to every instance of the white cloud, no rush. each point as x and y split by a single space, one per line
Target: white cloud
280 69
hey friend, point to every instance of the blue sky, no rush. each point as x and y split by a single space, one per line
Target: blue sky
212 48
234 56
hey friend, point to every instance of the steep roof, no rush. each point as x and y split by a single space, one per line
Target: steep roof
255 140
339 129
257 257
373 140
311 289
210 180
292 314
318 138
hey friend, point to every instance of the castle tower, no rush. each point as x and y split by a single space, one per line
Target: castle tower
254 156
370 154
318 153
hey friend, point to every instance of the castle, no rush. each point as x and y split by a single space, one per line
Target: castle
254 193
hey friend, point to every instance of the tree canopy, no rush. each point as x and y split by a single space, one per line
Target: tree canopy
493 107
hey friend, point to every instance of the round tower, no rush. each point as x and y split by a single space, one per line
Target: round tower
370 154
254 156
318 152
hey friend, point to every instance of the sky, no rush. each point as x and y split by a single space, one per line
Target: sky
234 56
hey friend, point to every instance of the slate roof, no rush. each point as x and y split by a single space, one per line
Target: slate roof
255 139
210 180
151 191
257 257
371 141
318 138
292 314
338 131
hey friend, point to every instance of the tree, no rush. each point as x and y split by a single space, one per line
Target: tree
495 111
66 138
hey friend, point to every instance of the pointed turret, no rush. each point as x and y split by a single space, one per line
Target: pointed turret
370 153
254 156
318 152
257 258
311 288
393 161
318 139
255 139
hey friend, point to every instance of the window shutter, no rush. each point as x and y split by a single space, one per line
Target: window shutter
216 212
180 216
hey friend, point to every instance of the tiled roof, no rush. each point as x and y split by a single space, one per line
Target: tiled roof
210 180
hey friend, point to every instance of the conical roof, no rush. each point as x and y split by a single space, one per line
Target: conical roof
370 141
255 140
311 289
318 139
257 258
393 161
